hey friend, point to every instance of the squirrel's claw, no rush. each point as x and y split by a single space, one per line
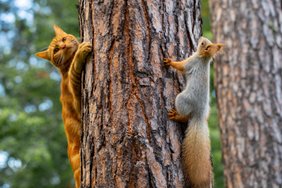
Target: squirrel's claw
167 61
171 114
174 116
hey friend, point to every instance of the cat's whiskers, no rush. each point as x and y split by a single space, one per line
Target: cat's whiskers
59 60
62 59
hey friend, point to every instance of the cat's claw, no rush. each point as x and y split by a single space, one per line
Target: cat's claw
85 48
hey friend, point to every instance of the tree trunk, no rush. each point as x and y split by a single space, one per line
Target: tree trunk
249 90
127 139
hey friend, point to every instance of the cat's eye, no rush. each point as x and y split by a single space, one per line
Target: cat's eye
56 49
64 39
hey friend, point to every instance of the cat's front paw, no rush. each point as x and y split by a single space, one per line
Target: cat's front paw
84 48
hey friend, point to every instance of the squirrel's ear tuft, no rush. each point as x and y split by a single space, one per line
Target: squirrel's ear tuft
58 31
43 55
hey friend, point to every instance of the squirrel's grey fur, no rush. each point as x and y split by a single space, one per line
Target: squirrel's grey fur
194 99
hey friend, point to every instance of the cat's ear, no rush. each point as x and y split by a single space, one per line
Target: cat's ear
44 54
58 31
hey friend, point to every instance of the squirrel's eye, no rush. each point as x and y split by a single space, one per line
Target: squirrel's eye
202 43
64 39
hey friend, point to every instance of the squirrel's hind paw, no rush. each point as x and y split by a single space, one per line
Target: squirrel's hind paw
174 116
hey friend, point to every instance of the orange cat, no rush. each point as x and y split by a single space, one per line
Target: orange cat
68 55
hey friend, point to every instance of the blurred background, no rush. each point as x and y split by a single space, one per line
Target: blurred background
32 140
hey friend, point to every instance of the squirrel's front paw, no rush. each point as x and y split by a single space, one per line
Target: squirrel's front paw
172 114
84 48
167 61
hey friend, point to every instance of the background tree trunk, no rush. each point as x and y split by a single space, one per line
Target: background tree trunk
127 139
249 90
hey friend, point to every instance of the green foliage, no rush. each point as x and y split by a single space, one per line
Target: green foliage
32 139
216 146
213 119
206 19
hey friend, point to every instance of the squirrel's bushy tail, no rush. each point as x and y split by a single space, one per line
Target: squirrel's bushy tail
196 154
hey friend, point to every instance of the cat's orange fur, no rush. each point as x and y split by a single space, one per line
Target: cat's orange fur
68 55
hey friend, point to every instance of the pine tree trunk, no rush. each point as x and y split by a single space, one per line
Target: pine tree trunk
127 139
249 90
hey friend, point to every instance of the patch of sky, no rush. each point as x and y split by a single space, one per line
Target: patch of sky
55 180
5 38
23 4
55 75
45 105
35 62
18 79
13 117
2 91
8 17
19 65
30 108
5 185
3 159
14 164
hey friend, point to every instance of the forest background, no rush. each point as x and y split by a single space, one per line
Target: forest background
33 147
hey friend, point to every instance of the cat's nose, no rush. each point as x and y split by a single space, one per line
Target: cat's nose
63 46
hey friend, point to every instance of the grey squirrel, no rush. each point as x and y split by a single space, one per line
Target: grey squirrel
192 105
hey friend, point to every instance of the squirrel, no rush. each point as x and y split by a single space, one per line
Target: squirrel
192 105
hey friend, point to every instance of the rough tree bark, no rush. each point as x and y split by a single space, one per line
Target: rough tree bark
127 139
249 90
